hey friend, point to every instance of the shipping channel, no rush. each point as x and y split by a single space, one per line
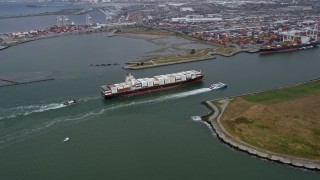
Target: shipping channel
144 137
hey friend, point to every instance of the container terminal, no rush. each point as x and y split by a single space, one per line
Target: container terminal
250 25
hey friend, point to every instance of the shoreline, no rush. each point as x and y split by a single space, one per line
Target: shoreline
72 11
139 34
168 63
206 54
15 43
213 119
202 54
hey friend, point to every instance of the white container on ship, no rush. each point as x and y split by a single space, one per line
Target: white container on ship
166 79
156 83
172 79
183 77
161 80
150 82
114 89
144 83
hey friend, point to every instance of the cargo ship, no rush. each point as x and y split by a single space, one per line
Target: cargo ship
133 86
287 48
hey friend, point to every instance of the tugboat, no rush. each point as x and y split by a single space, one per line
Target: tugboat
218 85
69 102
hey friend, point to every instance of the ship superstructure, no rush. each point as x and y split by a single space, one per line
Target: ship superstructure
132 86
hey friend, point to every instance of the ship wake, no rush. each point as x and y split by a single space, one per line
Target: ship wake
27 110
171 97
31 131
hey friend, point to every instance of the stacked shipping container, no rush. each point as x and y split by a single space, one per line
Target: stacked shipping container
141 83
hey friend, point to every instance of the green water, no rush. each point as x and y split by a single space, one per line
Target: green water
144 137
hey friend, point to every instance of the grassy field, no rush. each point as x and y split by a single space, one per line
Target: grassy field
163 60
284 94
198 55
285 121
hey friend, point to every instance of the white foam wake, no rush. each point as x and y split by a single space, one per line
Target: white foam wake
165 98
27 133
196 118
86 99
26 110
199 119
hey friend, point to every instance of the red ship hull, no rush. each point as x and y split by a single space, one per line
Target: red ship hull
153 89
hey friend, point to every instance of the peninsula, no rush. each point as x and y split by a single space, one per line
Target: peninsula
281 125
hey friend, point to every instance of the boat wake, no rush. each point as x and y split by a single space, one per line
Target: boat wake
26 110
86 99
196 118
162 98
199 119
8 113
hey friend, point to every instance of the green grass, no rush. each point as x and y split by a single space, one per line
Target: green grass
284 94
306 149
293 145
316 131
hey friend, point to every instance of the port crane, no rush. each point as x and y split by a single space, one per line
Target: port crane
313 33
107 13
62 21
88 20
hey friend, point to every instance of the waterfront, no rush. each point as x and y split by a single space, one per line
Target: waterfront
147 137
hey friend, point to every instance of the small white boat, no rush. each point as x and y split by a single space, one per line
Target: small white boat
69 102
66 139
218 85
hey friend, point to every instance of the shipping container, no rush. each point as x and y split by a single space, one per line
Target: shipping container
114 89
156 83
144 83
172 79
161 80
150 83
183 77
